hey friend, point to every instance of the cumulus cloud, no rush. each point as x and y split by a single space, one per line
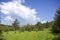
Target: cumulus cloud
9 18
15 7
43 21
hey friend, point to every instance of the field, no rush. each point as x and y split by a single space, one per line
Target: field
33 35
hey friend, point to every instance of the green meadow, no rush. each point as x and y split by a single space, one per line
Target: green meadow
33 35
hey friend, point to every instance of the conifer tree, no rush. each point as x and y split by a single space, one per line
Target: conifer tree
56 25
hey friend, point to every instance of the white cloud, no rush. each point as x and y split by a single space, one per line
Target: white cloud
15 7
43 21
38 19
9 18
20 1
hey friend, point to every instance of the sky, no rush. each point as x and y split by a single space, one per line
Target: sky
28 11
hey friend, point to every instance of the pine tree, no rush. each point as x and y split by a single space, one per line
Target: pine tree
16 24
0 31
56 25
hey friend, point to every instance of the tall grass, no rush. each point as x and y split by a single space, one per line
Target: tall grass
33 35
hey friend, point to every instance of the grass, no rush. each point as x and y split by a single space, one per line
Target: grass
33 35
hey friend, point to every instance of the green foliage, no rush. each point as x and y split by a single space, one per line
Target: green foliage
6 28
47 24
39 26
56 25
28 27
0 31
22 29
0 20
1 38
15 24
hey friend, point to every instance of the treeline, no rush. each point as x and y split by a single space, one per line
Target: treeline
29 27
37 27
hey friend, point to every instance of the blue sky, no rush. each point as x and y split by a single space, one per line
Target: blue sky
28 11
46 8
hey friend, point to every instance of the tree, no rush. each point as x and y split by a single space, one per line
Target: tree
1 38
28 27
0 31
47 24
39 25
16 24
56 25
0 20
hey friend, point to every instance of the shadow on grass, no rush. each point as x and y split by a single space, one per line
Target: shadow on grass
56 38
